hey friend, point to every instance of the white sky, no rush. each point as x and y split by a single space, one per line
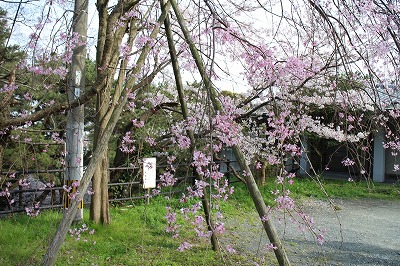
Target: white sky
235 82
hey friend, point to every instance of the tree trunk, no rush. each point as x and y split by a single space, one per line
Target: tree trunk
263 169
50 256
104 203
3 143
250 182
261 208
101 148
178 80
99 207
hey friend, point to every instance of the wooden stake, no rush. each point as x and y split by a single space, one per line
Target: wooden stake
250 182
179 86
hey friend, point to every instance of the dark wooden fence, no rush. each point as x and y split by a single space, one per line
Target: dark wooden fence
20 198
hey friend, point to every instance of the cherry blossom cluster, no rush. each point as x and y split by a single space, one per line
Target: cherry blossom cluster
5 192
34 210
128 143
168 179
81 233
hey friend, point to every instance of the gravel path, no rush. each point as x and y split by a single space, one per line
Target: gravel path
360 232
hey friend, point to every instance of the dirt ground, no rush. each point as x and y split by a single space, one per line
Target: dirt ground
358 232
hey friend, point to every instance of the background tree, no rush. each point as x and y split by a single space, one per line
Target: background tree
9 58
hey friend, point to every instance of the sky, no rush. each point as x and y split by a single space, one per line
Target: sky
235 82
30 13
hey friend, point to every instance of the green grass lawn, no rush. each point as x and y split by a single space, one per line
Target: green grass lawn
137 234
304 188
315 187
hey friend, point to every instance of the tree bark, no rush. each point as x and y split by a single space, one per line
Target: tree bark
98 212
99 207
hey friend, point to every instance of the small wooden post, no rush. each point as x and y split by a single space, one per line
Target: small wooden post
20 197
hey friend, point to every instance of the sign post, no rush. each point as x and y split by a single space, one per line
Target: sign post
149 174
75 120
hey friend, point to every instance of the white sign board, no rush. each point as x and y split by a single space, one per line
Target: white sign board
77 92
149 173
78 76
